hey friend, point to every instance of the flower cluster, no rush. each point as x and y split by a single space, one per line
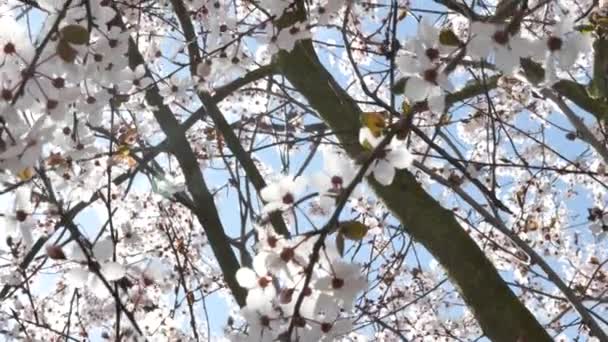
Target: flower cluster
504 45
105 237
291 293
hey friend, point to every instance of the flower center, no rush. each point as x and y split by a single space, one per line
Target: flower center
174 89
272 241
432 53
337 181
51 104
263 282
294 30
326 327
265 321
147 281
58 82
430 75
501 37
337 283
9 48
288 198
21 215
299 321
555 43
286 296
7 95
287 254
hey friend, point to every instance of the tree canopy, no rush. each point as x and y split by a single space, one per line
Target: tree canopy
304 170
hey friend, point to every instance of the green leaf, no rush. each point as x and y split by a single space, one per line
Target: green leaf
406 108
585 28
75 34
353 230
66 52
534 72
399 86
375 121
449 38
594 90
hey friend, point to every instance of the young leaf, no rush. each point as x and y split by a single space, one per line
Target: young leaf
25 174
66 52
399 87
374 121
534 72
75 34
353 230
449 38
55 252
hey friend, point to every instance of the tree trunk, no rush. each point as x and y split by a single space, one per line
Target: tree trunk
499 312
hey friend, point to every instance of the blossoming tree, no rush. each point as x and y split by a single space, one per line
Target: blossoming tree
303 170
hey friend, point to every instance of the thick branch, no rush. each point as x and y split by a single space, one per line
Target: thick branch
584 131
232 141
579 95
206 211
501 315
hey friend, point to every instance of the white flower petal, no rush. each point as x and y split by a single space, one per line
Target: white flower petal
563 26
321 181
77 277
22 195
113 271
437 104
506 60
257 302
299 184
97 287
267 294
407 65
323 283
444 83
273 206
271 193
400 157
481 44
550 72
326 203
103 249
74 252
427 32
246 277
567 55
581 42
416 89
259 264
521 47
384 172
26 235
